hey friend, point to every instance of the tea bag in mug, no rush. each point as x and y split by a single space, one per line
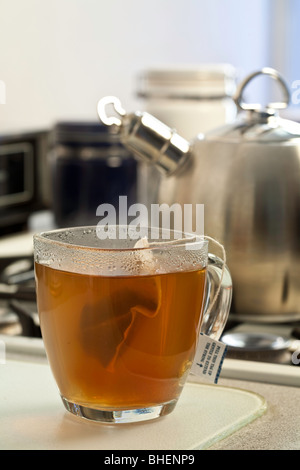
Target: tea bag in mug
105 325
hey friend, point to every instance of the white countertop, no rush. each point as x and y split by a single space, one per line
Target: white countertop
33 417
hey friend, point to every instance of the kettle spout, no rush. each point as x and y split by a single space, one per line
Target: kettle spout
147 137
155 142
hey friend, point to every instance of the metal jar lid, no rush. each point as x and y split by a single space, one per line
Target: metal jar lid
85 140
83 133
211 81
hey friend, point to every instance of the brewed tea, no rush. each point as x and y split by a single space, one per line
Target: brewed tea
120 341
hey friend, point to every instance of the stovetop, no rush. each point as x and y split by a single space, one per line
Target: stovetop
18 308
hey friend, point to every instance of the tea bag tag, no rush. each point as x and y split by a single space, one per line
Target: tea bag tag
209 359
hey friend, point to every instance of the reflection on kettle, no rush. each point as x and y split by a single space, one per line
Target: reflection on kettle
247 175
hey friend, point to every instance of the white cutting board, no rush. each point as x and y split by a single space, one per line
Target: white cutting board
32 417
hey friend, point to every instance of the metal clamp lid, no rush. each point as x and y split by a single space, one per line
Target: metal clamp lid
271 107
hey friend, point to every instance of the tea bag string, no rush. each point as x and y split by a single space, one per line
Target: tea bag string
206 237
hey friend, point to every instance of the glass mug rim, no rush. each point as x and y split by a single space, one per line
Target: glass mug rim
194 241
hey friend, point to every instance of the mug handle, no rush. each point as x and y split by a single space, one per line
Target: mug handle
218 297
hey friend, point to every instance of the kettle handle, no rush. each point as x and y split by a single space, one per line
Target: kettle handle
238 98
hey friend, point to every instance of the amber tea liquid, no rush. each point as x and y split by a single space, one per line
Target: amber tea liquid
120 342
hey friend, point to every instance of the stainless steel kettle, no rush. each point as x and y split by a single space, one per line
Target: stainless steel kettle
247 175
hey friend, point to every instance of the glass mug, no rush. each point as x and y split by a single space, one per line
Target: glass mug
120 320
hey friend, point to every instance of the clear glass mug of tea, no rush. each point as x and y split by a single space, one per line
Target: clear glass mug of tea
120 319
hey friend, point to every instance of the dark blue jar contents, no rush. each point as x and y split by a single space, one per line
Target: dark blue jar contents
90 167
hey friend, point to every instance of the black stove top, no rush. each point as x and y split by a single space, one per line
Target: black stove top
18 308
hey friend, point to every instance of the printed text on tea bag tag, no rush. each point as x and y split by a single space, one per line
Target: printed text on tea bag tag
208 359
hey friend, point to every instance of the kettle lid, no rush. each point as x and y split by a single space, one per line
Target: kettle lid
257 122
